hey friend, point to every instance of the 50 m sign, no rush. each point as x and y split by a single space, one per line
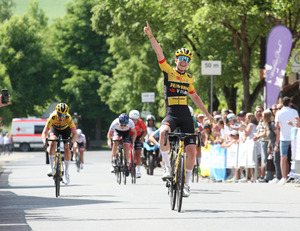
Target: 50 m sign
211 67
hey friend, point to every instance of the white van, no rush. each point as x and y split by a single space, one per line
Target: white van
27 133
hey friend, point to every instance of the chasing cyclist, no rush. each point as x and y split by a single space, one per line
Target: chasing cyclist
121 128
141 132
177 83
80 144
60 123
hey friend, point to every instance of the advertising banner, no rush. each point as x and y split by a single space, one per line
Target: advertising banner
279 46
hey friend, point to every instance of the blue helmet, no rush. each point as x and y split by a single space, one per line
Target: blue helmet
123 119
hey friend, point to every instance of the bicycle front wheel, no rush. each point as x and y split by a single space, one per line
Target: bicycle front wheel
180 182
118 171
78 161
151 163
125 168
172 188
133 171
57 177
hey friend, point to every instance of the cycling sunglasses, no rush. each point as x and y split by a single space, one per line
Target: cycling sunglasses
182 58
61 115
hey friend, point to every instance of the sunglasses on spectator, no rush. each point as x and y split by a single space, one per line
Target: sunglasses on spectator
184 58
258 111
61 115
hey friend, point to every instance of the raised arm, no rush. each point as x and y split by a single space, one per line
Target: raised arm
156 47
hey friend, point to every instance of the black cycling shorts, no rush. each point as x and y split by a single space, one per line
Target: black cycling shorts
124 134
66 133
80 145
138 145
180 116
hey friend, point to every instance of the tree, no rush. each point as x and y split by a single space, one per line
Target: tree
27 61
226 30
83 62
5 9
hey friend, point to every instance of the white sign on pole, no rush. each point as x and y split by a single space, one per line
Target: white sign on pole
144 114
148 97
211 67
296 62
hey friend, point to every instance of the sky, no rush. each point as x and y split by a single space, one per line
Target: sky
53 8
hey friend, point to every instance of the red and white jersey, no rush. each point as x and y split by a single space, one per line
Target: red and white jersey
139 127
115 126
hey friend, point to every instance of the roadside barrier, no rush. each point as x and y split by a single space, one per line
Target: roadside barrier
215 160
295 167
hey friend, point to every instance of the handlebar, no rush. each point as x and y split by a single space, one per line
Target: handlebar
180 136
60 139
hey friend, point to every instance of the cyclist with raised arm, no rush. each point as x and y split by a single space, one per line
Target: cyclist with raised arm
177 84
80 144
121 128
141 132
60 123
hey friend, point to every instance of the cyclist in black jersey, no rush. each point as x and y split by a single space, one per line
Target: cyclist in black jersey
177 83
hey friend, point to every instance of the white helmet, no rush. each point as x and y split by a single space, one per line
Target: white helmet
134 114
150 117
79 132
191 110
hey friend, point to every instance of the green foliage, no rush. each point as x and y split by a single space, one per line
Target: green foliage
224 30
83 59
27 62
5 9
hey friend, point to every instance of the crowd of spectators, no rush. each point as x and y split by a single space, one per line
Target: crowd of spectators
271 130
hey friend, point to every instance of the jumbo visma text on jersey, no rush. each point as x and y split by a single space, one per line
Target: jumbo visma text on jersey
176 85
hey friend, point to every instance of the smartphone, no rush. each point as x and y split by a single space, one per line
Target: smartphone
5 96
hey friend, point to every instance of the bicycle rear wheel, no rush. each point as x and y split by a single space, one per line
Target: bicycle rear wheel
57 177
180 182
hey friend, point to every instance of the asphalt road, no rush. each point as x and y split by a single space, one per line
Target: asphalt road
94 201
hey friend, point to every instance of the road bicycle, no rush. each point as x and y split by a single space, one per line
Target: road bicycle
152 159
58 168
120 165
178 167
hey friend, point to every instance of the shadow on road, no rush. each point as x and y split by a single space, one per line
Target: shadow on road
13 206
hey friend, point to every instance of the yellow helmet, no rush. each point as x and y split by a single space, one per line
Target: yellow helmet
62 108
185 52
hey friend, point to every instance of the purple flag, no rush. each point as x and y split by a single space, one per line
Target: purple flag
278 51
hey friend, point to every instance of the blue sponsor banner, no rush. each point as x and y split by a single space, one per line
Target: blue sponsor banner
218 162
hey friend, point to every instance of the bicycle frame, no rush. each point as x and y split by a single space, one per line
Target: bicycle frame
179 154
176 183
120 162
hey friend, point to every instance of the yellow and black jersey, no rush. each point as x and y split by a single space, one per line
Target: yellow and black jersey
53 121
176 85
